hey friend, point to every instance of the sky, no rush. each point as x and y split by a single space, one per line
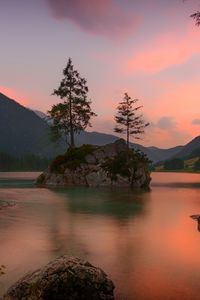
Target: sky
148 48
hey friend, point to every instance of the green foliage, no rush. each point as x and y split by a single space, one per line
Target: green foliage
117 165
7 162
128 122
56 164
194 153
74 113
125 164
25 163
174 164
71 159
197 165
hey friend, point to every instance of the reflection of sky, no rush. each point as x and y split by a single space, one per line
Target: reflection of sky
150 253
148 48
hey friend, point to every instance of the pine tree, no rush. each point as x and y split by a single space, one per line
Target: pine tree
74 113
128 122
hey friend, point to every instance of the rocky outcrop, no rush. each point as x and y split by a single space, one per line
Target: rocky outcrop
92 168
63 279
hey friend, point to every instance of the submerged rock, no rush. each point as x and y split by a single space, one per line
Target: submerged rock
94 166
63 279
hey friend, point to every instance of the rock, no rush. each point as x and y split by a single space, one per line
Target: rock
98 178
63 279
87 169
90 159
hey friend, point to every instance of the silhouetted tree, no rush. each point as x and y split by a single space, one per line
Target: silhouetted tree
74 113
196 17
128 122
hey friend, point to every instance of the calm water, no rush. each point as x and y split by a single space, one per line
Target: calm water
146 242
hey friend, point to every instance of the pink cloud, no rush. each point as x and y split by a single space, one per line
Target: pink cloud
181 103
164 51
104 17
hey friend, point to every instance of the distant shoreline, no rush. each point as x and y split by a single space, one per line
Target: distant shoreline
176 171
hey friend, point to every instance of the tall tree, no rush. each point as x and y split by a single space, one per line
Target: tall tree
128 122
74 113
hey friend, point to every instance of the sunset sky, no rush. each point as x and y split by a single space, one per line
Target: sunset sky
148 48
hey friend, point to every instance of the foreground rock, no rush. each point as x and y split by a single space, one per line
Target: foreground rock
63 279
98 166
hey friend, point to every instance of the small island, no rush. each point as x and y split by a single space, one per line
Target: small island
114 164
98 166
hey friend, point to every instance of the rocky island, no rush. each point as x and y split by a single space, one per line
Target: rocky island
98 166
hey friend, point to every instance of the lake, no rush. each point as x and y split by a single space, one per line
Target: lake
146 242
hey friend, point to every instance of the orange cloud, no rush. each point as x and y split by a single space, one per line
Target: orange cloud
165 51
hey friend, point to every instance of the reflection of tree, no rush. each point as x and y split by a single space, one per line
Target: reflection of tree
62 234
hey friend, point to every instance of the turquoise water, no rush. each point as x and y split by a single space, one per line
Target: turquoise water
146 242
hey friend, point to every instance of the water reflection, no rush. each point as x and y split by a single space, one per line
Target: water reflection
120 204
145 241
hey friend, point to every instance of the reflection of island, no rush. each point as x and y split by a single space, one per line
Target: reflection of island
196 218
119 204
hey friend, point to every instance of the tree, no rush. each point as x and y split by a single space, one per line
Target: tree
128 122
74 113
126 164
196 17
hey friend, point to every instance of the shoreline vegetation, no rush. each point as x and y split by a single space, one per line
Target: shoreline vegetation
29 163
177 171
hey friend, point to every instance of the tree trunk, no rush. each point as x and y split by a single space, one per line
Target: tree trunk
71 123
127 136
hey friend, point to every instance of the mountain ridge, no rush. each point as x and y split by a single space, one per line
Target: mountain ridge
23 131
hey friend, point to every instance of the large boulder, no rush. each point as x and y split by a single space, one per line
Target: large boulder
85 166
63 279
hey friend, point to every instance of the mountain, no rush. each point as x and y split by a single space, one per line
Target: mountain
97 138
186 159
22 132
190 150
158 154
40 114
